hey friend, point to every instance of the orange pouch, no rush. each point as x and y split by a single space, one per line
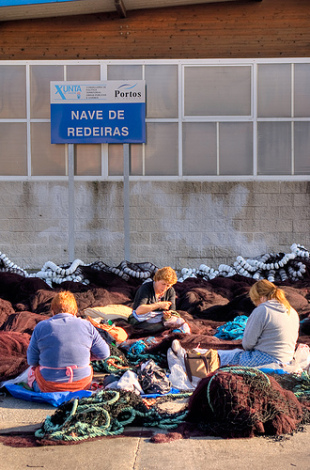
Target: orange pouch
118 333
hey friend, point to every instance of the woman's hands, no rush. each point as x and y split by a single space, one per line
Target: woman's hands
164 305
161 305
167 315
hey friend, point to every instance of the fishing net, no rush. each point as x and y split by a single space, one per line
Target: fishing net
244 402
106 414
298 383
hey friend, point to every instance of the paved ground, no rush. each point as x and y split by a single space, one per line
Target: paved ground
128 453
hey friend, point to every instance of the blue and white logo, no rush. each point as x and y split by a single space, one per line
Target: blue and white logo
65 90
126 90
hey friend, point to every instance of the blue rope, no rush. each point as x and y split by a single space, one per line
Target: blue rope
233 329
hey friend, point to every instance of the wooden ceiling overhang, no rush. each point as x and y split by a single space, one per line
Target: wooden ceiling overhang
29 9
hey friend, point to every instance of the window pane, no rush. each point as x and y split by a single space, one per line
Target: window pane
47 159
302 147
274 148
13 156
88 160
236 148
116 159
302 90
217 91
162 91
274 90
13 91
83 72
124 72
161 150
136 156
199 148
116 163
41 76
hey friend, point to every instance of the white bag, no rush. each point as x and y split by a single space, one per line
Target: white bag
178 376
302 356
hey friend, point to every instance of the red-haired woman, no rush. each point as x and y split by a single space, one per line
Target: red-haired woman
154 303
61 348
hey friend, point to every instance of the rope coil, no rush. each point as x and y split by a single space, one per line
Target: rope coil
106 414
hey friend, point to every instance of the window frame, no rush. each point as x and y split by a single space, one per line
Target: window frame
180 119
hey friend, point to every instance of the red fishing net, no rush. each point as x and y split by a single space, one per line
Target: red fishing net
244 402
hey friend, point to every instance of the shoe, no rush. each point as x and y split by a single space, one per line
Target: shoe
176 347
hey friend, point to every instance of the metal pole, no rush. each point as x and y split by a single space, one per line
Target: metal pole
71 234
126 153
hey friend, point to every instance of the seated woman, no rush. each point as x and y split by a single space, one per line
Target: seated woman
154 303
61 348
271 332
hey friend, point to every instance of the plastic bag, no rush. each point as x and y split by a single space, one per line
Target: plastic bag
302 356
153 379
178 376
300 361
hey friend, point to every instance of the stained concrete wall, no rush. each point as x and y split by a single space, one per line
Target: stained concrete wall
182 224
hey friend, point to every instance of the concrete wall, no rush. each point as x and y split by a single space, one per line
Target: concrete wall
182 224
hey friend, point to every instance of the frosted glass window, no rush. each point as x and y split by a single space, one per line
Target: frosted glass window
274 148
274 90
161 150
12 91
199 148
162 91
217 91
13 155
83 72
41 76
88 160
124 72
116 159
302 90
47 159
236 148
302 147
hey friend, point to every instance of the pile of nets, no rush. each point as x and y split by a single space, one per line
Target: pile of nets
239 402
78 271
106 414
298 383
276 267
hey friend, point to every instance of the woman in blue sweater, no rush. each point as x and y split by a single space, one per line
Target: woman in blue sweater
61 348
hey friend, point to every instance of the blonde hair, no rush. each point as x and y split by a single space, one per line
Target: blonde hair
166 274
265 288
64 302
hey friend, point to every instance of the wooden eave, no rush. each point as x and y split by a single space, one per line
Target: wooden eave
27 9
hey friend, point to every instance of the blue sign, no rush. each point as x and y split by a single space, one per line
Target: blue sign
98 112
